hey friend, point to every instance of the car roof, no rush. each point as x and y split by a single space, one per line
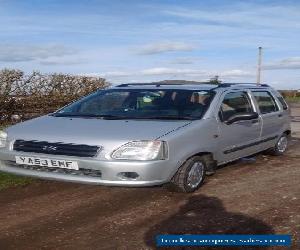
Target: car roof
184 86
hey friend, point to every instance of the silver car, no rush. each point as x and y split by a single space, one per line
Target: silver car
149 134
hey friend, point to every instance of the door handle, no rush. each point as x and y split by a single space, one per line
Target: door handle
254 121
280 115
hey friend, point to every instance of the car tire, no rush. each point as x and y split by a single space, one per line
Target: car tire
190 176
280 146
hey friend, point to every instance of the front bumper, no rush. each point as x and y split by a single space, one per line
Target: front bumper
150 173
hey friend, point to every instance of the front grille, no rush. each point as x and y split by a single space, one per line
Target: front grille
57 148
80 172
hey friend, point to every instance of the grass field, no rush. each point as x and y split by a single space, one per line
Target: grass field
7 180
293 99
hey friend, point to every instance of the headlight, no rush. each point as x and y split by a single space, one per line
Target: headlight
3 137
141 151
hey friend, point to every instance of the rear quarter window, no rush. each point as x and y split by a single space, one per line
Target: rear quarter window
282 101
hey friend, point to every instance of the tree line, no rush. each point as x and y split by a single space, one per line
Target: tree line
34 94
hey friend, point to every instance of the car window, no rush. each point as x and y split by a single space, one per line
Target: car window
105 103
265 101
142 104
282 101
235 103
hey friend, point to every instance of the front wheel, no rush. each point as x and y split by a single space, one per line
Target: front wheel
280 146
190 175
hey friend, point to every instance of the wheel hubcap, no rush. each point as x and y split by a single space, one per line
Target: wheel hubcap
195 175
282 144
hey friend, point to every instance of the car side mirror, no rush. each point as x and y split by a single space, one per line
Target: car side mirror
241 117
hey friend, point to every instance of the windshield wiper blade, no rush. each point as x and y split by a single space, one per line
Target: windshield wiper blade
88 116
171 117
73 115
115 117
111 117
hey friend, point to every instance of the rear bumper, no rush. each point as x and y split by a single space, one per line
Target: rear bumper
150 173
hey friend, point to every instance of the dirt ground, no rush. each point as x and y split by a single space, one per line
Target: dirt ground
260 195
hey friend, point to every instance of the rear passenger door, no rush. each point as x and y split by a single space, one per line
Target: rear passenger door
272 117
239 138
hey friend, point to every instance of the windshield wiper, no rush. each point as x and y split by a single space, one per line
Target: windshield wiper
72 115
88 116
111 117
169 117
115 117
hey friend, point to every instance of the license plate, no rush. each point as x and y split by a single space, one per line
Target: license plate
44 162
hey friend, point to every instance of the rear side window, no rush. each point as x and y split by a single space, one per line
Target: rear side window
282 101
265 101
235 103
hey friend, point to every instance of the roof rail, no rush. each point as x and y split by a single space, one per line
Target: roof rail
147 84
226 85
222 85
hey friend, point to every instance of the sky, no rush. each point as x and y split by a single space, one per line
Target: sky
144 41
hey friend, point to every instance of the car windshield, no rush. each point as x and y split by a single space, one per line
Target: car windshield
164 104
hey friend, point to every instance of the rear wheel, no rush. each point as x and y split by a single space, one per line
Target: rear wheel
280 146
190 175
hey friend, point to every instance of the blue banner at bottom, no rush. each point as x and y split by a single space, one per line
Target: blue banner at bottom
223 240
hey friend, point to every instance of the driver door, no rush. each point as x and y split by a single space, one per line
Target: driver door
240 138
